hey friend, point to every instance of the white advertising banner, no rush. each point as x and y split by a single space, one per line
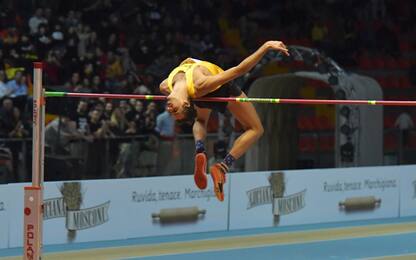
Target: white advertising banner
407 190
173 205
121 208
4 220
267 199
73 212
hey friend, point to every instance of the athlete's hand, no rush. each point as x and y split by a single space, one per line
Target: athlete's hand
278 46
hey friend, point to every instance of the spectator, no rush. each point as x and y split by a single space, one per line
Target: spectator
125 107
4 91
17 90
84 33
142 90
136 115
118 122
7 122
404 122
165 126
97 86
20 129
58 36
84 87
99 128
43 41
74 83
72 43
319 33
150 118
17 87
58 135
108 111
114 68
37 20
81 118
52 68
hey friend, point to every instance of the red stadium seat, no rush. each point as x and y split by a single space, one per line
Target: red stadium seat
405 82
404 64
365 63
405 46
391 63
378 63
388 122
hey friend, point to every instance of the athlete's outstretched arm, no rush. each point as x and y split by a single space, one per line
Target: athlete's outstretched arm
207 84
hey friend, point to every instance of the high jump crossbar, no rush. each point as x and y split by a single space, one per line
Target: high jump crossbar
33 197
238 99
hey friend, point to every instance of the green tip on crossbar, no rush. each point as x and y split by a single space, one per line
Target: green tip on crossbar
54 94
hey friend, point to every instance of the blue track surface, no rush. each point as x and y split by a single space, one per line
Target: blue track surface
337 249
334 249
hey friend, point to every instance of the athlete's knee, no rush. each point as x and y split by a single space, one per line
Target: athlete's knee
257 129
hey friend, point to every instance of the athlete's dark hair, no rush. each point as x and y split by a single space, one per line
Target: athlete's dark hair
189 114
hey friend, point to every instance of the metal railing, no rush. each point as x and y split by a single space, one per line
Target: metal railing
115 157
149 155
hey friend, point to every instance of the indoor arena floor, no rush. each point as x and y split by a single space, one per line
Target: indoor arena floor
376 239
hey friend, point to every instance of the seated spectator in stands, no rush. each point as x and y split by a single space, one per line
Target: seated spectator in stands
131 128
118 123
36 20
113 68
319 33
136 115
84 33
150 118
80 117
11 126
58 37
7 122
108 111
142 90
17 89
58 135
88 69
52 68
99 128
43 41
27 48
74 83
97 86
71 43
20 130
125 106
4 91
17 86
84 87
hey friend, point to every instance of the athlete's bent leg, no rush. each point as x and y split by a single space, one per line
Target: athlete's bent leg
246 114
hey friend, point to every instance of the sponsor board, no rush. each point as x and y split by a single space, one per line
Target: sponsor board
118 209
407 191
73 212
267 199
4 220
174 205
